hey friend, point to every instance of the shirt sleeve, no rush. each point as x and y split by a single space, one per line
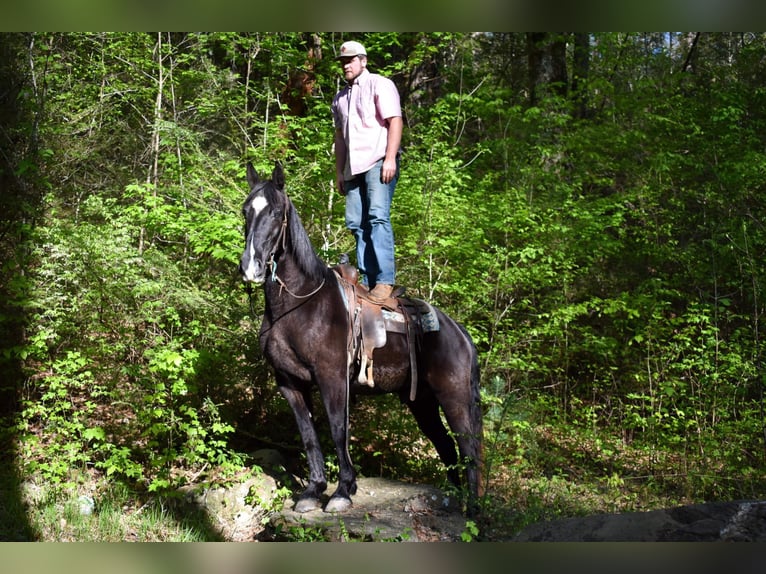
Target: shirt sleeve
334 110
387 99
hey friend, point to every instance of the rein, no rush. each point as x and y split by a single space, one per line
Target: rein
273 265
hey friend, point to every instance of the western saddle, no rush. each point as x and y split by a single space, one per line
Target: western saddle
370 322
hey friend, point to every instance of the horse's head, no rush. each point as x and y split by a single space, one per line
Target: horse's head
265 213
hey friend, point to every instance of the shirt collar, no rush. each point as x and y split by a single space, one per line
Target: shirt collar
360 79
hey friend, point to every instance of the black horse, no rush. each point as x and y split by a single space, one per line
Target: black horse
304 336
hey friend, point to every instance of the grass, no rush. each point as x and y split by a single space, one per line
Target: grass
64 513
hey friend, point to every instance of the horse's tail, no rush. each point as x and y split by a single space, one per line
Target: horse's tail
477 418
475 412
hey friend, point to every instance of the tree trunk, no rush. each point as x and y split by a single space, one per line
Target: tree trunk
546 56
152 175
580 73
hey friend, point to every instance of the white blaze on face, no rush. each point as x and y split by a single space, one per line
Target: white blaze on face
258 204
252 269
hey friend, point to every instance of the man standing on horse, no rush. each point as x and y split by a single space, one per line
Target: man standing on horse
368 131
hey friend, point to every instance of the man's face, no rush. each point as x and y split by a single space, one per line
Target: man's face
352 67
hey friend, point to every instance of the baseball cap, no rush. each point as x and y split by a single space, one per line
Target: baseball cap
351 48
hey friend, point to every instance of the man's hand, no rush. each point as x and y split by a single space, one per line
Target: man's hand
388 171
339 183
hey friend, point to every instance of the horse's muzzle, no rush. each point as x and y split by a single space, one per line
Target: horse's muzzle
252 271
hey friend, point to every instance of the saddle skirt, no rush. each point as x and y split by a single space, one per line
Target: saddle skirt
420 311
370 322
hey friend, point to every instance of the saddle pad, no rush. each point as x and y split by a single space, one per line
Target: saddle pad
425 313
394 320
429 320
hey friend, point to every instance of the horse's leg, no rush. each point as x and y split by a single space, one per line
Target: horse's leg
425 409
459 416
335 401
299 402
454 381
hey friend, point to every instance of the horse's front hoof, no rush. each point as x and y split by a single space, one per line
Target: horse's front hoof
307 505
338 504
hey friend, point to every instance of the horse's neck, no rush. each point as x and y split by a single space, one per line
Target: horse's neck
288 279
287 269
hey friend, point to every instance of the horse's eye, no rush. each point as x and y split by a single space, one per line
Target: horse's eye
278 213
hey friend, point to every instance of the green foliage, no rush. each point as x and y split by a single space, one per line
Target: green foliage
63 413
301 533
109 513
155 388
471 531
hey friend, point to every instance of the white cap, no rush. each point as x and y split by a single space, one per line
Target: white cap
350 49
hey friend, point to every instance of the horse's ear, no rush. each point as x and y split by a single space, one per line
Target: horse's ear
278 175
252 175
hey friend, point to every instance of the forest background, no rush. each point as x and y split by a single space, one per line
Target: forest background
590 206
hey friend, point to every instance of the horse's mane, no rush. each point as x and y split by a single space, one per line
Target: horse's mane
303 250
299 243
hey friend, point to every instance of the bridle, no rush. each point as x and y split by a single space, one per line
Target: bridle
272 263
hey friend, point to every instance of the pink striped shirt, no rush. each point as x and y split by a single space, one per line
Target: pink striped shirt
361 111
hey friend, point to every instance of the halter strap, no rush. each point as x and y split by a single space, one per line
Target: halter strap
273 265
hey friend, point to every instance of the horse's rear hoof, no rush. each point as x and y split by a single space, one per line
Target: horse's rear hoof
338 504
307 505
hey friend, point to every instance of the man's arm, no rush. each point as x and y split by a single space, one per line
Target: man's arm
340 160
395 126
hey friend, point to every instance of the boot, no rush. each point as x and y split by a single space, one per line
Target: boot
381 292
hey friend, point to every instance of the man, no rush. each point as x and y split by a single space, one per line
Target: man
368 132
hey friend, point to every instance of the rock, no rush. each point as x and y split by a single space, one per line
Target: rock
85 505
383 510
237 511
716 521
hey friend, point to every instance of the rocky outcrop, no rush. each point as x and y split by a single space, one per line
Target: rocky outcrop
231 510
388 510
743 521
383 510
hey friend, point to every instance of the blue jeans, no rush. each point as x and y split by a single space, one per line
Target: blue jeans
368 217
